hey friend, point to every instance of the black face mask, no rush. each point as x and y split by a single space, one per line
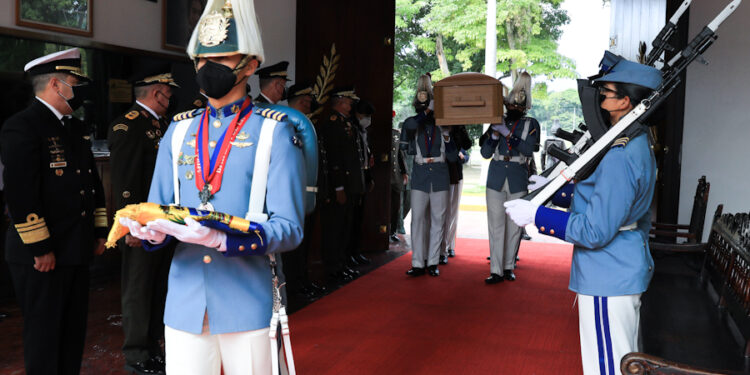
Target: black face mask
80 94
215 79
606 117
513 115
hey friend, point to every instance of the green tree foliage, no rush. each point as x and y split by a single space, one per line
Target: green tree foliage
561 109
67 13
527 32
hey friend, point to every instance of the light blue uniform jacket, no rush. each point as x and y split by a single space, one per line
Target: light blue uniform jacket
235 291
606 260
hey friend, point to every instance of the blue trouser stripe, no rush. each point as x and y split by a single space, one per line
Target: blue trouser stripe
607 335
599 343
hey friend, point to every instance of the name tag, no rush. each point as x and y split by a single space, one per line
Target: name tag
59 164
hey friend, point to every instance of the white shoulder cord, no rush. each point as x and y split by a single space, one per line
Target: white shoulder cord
177 137
255 213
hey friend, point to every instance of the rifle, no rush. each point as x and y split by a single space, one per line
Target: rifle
634 119
582 138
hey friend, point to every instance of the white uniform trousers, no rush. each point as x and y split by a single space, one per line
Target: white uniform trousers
609 329
451 219
240 353
504 233
427 234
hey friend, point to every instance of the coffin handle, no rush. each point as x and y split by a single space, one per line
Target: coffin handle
468 103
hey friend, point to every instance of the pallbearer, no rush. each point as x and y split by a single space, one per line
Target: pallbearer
219 301
431 147
510 145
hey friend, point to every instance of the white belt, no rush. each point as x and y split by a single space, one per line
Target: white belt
629 227
515 159
419 159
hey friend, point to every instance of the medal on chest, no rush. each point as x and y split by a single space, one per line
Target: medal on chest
209 170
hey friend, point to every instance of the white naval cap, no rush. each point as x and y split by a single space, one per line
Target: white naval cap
68 61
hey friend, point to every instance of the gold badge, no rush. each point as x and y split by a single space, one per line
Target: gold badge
213 29
189 175
242 136
242 144
235 108
126 194
59 172
120 127
131 115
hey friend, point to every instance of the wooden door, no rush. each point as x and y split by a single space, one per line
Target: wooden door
363 34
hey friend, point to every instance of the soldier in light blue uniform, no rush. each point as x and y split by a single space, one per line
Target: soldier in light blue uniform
430 181
219 302
608 224
511 146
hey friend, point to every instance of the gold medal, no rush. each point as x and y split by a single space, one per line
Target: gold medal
189 175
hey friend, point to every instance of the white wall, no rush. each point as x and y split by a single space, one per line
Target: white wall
137 24
717 120
633 21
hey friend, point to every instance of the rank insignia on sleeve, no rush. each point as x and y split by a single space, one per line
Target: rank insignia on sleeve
33 230
272 114
120 127
621 142
131 115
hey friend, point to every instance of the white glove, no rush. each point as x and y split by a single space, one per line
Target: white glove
142 233
431 106
502 129
536 181
521 211
191 232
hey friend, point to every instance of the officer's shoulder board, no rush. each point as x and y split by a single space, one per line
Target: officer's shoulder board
621 142
187 114
272 114
131 115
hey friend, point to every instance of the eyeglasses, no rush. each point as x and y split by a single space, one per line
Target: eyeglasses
603 97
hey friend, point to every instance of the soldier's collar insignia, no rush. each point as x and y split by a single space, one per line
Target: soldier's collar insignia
226 110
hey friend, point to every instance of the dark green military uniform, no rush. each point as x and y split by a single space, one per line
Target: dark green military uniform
344 170
133 143
398 170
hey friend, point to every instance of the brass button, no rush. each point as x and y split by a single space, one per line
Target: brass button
552 232
82 192
78 171
217 124
207 259
93 191
126 194
254 246
541 229
83 213
89 170
212 144
564 195
242 248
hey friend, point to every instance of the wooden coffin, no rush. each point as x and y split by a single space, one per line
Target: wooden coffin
468 98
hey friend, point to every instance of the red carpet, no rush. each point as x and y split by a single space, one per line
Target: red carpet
389 323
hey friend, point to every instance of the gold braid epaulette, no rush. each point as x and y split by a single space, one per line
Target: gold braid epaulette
272 114
187 114
621 142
